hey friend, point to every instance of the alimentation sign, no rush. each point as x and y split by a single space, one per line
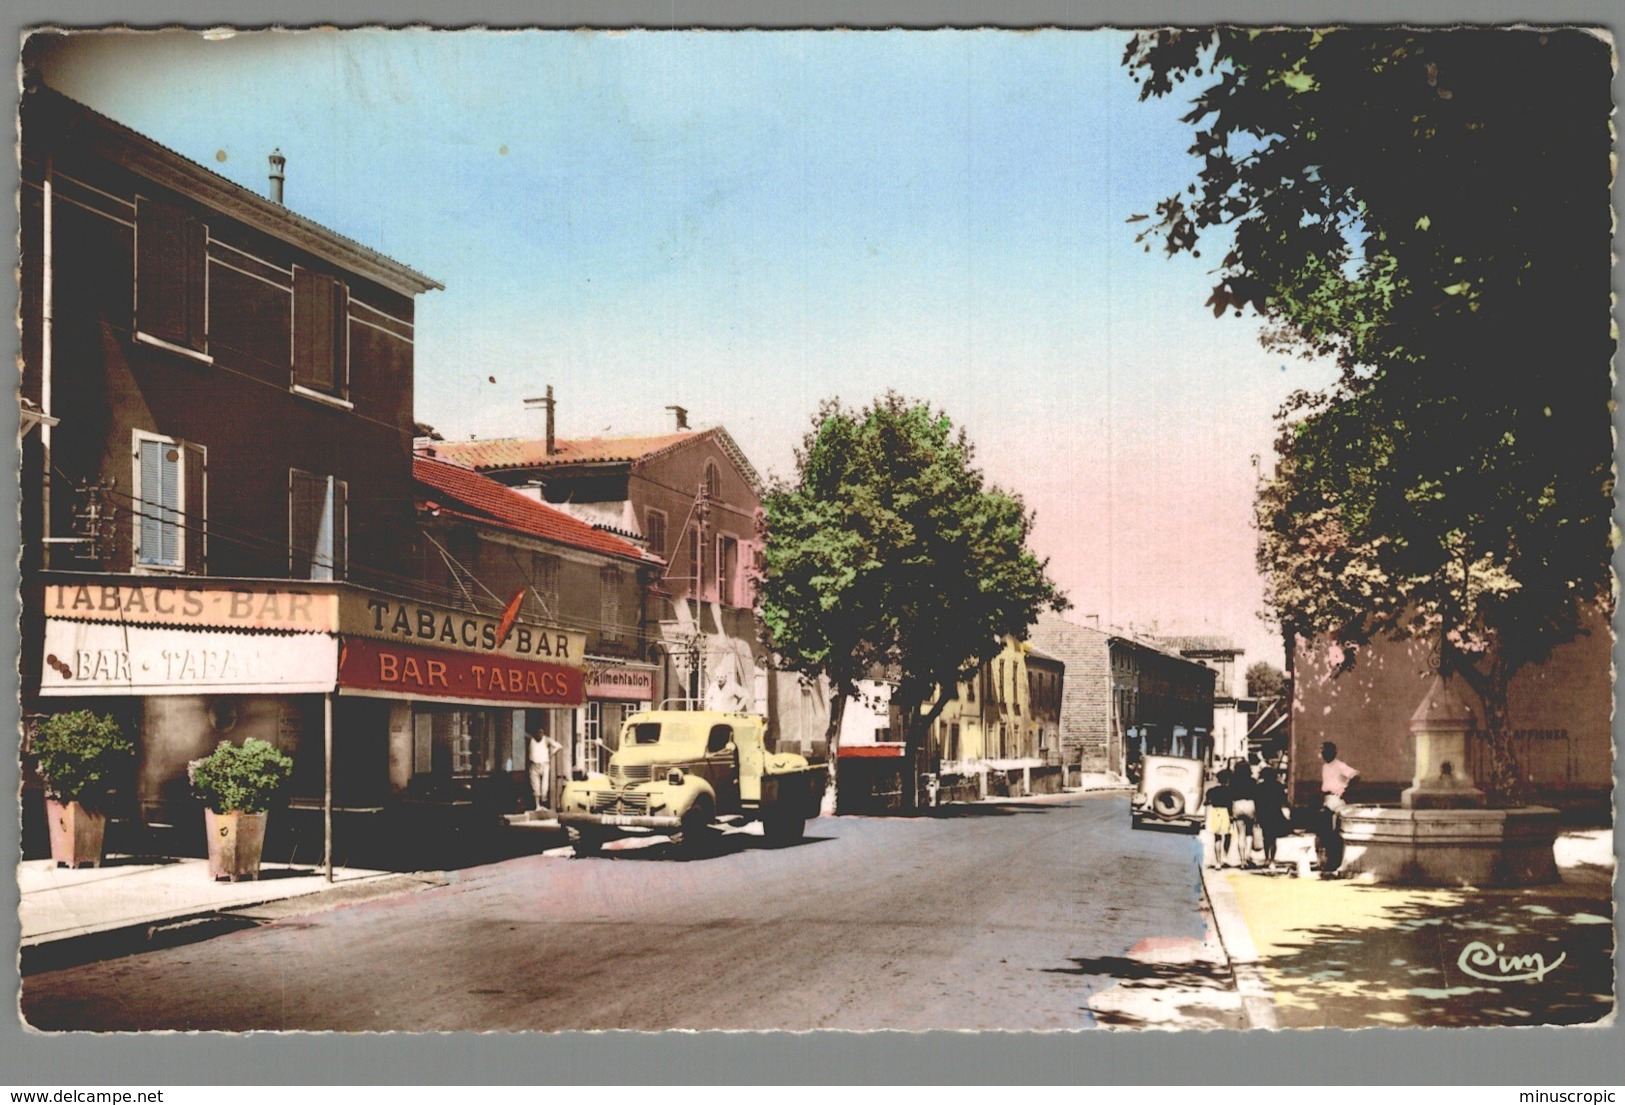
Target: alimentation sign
371 667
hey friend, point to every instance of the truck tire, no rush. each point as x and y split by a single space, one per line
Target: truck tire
780 828
696 832
585 843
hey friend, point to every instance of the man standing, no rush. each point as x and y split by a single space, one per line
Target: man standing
542 749
1335 777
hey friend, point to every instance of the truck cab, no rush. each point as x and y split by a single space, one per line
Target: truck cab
677 771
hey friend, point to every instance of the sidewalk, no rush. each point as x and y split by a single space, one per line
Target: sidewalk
122 905
1312 953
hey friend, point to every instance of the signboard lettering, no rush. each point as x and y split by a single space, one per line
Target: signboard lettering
384 617
84 658
247 606
416 672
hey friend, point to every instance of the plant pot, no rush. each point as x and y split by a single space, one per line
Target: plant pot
76 834
235 843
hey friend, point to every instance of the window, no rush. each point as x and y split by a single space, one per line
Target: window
171 276
544 577
609 599
170 481
654 529
713 481
318 526
727 569
321 309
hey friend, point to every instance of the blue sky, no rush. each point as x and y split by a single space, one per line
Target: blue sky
748 223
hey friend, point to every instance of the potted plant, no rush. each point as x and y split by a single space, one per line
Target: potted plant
237 784
79 756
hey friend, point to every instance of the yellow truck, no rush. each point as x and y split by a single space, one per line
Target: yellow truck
679 772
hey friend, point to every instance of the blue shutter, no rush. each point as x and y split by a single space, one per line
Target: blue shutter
160 503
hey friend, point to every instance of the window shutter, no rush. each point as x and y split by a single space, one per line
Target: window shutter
194 244
314 329
151 527
305 495
196 484
339 376
340 549
160 269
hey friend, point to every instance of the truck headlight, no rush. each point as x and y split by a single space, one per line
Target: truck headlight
675 777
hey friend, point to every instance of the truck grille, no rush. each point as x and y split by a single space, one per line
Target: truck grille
621 802
631 773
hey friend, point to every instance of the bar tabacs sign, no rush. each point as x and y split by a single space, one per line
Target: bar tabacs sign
84 658
362 614
407 671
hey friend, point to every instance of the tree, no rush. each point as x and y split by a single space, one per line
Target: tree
1265 680
1431 209
889 551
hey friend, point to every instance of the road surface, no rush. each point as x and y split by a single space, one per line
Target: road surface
1045 914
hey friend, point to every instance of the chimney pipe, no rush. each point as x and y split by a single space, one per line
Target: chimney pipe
547 404
277 164
681 416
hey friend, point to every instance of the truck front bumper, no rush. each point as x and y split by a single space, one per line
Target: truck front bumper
621 820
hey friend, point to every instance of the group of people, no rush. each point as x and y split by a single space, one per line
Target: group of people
1248 803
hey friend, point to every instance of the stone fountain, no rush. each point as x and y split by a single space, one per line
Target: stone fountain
1442 833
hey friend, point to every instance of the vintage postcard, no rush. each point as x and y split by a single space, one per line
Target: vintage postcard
804 530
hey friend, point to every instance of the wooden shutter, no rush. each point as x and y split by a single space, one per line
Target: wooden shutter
195 483
314 329
340 371
341 527
194 245
306 496
160 272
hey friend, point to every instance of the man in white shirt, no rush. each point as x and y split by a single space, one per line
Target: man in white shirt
542 750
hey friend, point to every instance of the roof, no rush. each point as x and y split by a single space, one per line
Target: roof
504 453
1199 644
1036 653
157 162
467 494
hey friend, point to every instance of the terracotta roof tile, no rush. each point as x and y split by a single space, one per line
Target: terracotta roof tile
466 493
516 452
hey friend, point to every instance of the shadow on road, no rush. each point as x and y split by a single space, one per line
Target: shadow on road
718 846
1145 986
985 809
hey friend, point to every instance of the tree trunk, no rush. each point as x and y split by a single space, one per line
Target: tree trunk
915 728
832 740
1504 783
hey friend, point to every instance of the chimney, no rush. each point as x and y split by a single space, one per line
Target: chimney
681 416
548 404
277 163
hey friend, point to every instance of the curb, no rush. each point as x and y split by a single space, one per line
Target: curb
1256 1004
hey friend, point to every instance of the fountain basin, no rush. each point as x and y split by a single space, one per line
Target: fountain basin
1472 846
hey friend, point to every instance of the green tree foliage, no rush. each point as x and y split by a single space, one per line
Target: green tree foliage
242 778
81 755
1265 680
890 552
1431 209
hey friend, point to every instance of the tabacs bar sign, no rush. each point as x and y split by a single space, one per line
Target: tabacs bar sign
248 606
383 617
407 671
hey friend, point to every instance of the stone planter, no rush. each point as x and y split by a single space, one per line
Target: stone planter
76 834
235 843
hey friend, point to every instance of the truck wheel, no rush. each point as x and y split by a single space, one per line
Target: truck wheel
585 844
783 829
696 831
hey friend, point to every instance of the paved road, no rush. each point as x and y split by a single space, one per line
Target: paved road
1039 915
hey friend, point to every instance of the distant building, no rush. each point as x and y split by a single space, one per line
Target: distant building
1231 708
1123 696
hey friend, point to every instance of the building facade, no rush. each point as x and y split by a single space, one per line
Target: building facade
1232 710
693 500
219 505
1123 696
1560 712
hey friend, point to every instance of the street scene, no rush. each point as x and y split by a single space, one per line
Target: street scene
555 532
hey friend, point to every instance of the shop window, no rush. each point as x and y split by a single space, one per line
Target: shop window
654 530
171 277
170 490
318 524
321 309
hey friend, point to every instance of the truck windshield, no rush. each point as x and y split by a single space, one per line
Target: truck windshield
646 732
